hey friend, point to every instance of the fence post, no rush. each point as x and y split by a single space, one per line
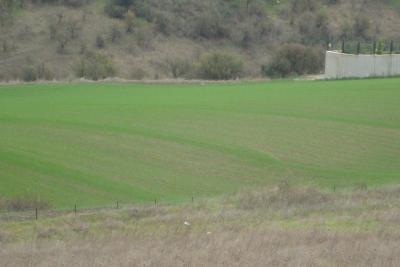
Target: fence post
155 202
36 214
75 210
358 48
192 199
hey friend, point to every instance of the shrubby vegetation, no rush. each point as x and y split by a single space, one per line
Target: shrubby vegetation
136 30
219 66
294 59
95 66
6 9
40 72
21 203
177 67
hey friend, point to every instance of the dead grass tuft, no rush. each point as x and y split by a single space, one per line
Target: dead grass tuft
23 203
283 196
47 232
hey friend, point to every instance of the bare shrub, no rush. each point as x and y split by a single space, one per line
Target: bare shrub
6 11
44 72
144 35
362 27
210 26
75 3
300 6
80 228
62 39
143 212
283 196
176 66
130 21
29 74
294 59
22 203
95 66
361 186
46 232
6 237
115 32
7 46
114 11
40 72
73 27
138 73
219 66
100 42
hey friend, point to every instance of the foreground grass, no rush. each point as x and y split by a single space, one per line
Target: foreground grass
283 226
95 144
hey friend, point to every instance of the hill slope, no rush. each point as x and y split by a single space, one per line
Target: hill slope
162 39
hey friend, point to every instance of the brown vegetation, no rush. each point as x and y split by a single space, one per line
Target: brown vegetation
282 226
139 35
22 203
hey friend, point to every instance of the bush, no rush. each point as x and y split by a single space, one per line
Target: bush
95 66
219 66
100 42
44 72
138 74
130 21
362 27
294 59
21 203
282 197
29 74
6 11
177 67
299 6
116 32
41 72
210 26
74 3
114 11
144 35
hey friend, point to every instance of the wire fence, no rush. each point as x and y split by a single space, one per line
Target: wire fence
32 214
37 213
366 47
75 210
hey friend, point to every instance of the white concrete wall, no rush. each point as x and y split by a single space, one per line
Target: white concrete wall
339 65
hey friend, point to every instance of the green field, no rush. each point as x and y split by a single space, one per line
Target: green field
94 144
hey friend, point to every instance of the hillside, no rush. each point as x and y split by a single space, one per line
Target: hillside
138 39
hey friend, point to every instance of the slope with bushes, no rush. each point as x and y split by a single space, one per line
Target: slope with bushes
48 39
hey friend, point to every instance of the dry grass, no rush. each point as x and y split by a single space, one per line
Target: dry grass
284 226
21 203
225 248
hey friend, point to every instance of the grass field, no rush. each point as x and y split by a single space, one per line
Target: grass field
94 144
